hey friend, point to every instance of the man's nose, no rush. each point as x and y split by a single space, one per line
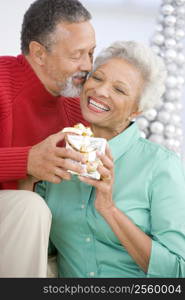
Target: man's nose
86 64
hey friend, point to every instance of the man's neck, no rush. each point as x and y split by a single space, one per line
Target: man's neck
40 74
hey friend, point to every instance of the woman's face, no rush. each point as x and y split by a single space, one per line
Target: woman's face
110 95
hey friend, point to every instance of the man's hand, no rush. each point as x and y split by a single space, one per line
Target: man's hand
48 162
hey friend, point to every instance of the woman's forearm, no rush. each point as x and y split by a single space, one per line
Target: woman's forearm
135 241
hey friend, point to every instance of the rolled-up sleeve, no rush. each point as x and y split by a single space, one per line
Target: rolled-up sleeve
168 219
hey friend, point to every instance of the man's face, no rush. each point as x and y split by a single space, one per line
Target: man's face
69 59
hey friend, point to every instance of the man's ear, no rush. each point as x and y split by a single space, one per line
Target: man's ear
37 52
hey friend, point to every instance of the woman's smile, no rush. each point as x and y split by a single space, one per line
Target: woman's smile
97 105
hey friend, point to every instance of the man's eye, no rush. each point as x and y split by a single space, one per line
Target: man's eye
75 57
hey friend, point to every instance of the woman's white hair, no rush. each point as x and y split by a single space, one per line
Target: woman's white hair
150 65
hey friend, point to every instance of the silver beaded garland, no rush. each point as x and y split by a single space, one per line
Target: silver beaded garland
163 116
180 59
180 2
170 43
180 22
156 138
168 106
170 54
169 130
151 114
142 123
179 33
167 9
162 124
158 38
169 20
167 1
180 11
169 31
156 127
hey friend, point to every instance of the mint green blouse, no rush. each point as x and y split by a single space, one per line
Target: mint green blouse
149 188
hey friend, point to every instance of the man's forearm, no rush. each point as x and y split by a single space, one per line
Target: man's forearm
13 163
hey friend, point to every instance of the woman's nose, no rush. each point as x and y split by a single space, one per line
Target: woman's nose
102 90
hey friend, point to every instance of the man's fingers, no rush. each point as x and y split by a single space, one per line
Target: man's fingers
68 164
58 137
54 179
70 153
62 174
72 166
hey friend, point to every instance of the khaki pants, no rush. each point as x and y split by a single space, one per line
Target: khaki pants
25 222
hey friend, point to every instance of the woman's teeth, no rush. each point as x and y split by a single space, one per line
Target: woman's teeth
98 105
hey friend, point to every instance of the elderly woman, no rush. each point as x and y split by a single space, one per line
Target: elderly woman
131 223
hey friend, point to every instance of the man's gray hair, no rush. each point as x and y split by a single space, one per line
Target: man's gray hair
42 17
150 65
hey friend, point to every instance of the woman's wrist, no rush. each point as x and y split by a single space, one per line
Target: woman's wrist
108 211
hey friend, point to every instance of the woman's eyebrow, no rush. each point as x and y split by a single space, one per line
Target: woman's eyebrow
126 85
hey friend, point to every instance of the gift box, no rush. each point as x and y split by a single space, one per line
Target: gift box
87 146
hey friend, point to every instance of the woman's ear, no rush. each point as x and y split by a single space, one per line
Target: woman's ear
37 52
135 114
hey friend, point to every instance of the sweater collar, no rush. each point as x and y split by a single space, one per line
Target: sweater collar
32 82
121 143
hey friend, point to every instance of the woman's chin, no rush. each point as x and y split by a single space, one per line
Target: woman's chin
89 119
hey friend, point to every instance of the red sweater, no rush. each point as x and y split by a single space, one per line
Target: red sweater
28 114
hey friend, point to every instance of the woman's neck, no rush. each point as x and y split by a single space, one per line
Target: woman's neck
107 133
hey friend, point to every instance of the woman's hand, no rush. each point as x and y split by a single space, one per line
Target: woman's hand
103 201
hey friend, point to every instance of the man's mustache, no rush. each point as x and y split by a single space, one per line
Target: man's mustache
83 75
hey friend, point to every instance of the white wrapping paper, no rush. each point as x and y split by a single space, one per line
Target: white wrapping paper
88 146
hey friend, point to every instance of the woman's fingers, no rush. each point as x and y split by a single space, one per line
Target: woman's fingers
89 181
105 178
107 168
105 174
106 158
108 152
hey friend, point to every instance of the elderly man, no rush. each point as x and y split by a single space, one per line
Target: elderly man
57 43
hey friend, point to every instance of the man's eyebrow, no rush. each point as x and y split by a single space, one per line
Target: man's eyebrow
82 49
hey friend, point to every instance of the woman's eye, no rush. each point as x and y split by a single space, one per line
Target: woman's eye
120 91
96 77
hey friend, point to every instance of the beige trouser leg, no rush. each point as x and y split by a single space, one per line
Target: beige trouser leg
25 223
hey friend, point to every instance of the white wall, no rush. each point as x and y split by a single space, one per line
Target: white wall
112 19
